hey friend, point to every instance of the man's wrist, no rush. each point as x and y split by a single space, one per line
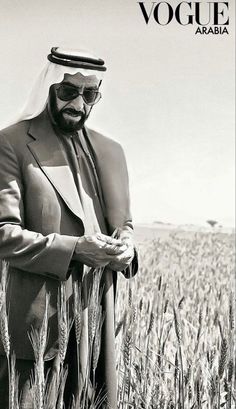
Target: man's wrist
77 249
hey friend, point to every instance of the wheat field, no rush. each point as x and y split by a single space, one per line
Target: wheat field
175 337
175 329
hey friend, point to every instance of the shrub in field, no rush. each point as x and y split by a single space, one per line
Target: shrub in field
212 223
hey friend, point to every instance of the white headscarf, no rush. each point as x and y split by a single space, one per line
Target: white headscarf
37 100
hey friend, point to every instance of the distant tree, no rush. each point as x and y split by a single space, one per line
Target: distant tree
212 223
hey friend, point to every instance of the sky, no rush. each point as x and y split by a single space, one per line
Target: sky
168 97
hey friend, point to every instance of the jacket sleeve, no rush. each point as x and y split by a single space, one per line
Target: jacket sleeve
27 250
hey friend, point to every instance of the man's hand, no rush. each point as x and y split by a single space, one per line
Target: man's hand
98 250
123 260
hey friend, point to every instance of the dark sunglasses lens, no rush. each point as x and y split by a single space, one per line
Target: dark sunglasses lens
90 96
66 93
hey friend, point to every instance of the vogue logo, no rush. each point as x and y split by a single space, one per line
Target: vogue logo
209 13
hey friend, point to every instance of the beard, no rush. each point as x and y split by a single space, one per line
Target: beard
67 119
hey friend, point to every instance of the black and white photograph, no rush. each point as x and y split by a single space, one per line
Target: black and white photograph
117 204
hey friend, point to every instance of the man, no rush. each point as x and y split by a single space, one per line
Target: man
63 195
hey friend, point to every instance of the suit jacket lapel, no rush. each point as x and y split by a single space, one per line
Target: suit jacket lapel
49 155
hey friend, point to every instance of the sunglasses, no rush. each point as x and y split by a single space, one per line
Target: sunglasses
67 92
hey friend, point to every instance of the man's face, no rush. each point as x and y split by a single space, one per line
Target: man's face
70 115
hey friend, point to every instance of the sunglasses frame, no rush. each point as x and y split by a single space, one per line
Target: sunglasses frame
98 94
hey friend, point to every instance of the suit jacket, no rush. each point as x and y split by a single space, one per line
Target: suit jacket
41 219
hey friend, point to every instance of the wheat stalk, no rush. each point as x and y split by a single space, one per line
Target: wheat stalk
94 302
178 329
127 358
223 357
62 382
77 310
121 324
151 323
38 339
166 306
231 312
4 333
97 341
63 323
141 305
198 393
14 384
1 297
130 297
5 337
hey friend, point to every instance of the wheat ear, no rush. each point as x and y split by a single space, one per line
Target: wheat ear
63 323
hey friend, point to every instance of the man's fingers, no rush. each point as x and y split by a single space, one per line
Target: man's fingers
109 240
115 267
109 245
108 258
115 250
112 248
129 252
100 250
